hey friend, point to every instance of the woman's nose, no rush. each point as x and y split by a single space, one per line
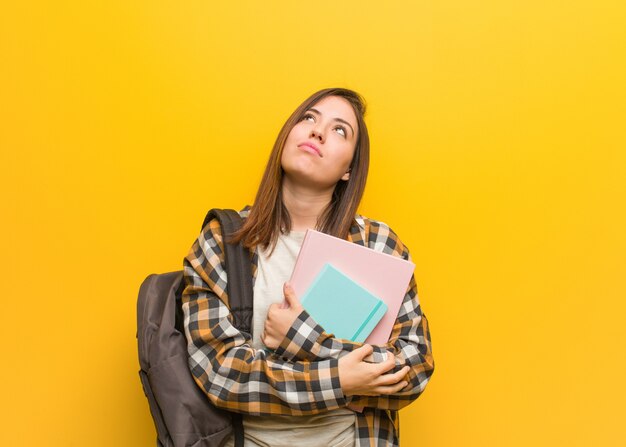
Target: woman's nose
317 133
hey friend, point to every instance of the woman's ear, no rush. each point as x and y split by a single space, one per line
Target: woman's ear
346 176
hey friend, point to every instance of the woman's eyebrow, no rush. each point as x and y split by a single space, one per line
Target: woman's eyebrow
336 119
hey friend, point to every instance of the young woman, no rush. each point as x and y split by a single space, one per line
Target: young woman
302 389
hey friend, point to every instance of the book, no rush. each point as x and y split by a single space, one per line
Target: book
383 275
341 306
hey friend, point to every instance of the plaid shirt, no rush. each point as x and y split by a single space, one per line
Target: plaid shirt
301 377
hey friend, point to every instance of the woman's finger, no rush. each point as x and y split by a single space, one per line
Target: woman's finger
392 389
270 310
362 352
383 390
392 379
387 365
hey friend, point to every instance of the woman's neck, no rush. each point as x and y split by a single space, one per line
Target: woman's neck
304 205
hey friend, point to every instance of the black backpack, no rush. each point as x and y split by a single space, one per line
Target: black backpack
182 413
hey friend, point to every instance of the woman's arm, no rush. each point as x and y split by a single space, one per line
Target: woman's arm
409 342
239 378
233 374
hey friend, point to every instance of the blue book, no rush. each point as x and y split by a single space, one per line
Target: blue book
341 306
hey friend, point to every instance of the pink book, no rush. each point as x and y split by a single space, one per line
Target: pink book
385 276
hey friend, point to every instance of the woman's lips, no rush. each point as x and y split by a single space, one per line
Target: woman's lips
310 148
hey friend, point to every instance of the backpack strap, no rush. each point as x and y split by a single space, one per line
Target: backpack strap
238 287
238 268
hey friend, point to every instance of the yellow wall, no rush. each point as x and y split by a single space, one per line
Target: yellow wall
498 156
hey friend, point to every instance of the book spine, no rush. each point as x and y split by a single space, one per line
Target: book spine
357 335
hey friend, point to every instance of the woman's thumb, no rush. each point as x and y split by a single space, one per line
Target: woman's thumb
290 296
364 351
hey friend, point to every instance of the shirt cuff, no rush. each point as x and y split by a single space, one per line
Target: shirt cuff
325 386
301 339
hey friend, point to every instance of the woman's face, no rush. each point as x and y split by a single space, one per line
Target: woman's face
319 149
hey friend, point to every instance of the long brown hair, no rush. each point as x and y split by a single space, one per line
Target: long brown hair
269 217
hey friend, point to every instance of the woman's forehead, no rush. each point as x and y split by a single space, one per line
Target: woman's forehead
335 107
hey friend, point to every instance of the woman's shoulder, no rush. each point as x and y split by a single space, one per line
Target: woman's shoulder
245 211
210 240
213 228
378 236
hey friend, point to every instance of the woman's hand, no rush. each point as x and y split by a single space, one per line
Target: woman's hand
359 377
280 318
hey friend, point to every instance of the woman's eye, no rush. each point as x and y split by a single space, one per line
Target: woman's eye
341 131
308 117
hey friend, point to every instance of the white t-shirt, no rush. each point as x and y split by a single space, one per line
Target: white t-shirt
333 428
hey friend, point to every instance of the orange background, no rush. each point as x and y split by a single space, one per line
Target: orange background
498 157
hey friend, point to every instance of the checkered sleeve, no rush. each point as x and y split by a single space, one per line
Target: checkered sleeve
410 340
233 374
